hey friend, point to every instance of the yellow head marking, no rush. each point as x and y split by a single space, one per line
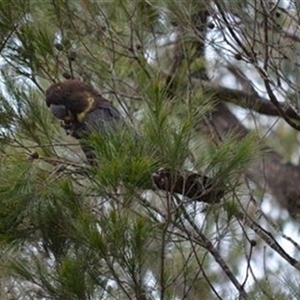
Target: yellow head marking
90 102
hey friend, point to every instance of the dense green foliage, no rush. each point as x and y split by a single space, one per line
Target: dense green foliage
72 231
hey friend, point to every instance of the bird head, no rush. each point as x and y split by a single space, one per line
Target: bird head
71 100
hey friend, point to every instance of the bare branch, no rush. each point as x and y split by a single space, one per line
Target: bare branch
269 172
247 100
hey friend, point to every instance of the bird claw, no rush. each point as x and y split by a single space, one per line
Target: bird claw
67 126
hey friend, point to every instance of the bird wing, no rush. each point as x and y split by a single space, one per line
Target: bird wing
101 120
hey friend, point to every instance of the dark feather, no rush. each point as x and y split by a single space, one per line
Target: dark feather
86 112
83 110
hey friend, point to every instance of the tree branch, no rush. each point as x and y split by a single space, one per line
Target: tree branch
246 100
194 186
269 172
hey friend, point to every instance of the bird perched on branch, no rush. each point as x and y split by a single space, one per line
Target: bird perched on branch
83 111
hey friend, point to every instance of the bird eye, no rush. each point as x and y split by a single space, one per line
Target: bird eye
278 14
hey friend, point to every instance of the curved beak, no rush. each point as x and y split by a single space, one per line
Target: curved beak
59 111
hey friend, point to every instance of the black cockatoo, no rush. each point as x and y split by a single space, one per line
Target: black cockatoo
84 111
